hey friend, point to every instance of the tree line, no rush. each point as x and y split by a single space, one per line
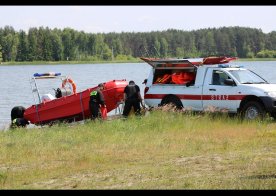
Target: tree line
45 44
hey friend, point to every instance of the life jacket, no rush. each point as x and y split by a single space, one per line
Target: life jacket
131 92
182 77
165 79
94 96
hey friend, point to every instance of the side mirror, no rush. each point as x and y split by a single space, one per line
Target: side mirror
229 82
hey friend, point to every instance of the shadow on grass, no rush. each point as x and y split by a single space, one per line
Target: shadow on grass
269 176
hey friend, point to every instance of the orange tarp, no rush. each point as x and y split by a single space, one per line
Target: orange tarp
182 77
175 78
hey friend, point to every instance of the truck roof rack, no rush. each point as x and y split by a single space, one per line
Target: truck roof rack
174 62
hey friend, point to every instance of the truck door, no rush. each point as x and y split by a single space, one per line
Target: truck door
218 94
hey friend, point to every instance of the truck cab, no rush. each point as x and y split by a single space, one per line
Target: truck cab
210 83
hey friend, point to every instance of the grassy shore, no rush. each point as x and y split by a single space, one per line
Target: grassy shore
163 150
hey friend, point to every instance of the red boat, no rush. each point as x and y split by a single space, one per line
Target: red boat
71 106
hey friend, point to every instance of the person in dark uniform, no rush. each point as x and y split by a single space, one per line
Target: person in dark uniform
132 98
19 122
96 101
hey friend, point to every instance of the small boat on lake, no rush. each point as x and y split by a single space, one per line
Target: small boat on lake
69 105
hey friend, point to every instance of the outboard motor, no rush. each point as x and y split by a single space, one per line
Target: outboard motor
17 112
17 117
61 92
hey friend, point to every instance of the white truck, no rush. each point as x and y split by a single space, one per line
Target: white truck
201 84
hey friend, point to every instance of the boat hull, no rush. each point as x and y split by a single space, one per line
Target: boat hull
76 106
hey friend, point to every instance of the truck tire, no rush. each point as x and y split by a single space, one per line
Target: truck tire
171 99
253 110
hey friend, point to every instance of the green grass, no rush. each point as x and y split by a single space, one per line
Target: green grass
163 150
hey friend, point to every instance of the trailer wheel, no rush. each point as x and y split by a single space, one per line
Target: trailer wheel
171 99
253 110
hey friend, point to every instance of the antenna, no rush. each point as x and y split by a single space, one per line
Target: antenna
112 57
146 51
156 51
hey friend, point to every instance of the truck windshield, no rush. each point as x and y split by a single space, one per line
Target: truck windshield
247 77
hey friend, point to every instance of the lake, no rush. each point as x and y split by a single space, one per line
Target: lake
16 88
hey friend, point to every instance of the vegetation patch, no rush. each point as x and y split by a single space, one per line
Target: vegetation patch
162 150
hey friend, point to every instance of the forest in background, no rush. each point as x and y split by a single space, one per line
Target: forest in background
45 44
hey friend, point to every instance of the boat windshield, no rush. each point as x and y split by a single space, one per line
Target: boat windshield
44 86
247 77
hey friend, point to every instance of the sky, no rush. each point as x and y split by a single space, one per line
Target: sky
105 19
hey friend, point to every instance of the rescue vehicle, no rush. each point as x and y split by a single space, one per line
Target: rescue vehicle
200 84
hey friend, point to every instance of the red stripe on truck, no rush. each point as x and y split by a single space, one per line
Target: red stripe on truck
197 97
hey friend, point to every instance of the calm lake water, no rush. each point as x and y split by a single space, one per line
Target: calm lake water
16 88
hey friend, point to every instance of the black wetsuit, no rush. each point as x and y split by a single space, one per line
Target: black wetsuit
132 99
96 99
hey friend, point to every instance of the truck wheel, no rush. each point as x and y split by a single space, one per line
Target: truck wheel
17 112
253 110
172 100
